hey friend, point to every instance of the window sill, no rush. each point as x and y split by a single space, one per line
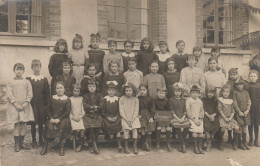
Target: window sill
25 40
229 51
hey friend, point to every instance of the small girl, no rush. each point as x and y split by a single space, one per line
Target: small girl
192 75
201 59
210 121
129 111
146 55
171 76
132 75
163 55
95 54
58 123
215 52
146 114
128 45
241 97
112 55
66 78
76 116
19 95
254 89
177 106
113 75
195 113
91 75
111 117
79 57
56 60
226 109
92 102
213 77
39 102
162 117
180 57
154 80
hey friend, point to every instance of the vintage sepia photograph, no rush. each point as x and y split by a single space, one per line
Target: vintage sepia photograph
129 82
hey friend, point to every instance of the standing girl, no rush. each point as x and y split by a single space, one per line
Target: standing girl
113 75
210 121
146 114
95 54
201 59
129 111
79 57
92 102
76 116
163 55
215 52
146 55
195 113
128 44
39 102
56 60
254 89
19 95
58 123
112 55
226 109
177 106
111 117
171 76
180 57
154 80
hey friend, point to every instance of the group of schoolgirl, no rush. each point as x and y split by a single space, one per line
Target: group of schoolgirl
150 91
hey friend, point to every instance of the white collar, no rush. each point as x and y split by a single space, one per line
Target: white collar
111 99
164 57
128 55
64 97
225 101
36 77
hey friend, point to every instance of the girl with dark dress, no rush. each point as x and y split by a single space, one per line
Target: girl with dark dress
92 102
146 55
66 78
163 55
128 45
210 121
58 123
39 102
180 57
146 114
95 54
56 60
111 116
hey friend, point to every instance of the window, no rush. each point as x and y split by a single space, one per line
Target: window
217 21
128 19
20 16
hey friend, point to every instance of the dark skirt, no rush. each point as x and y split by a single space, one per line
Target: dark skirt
144 120
211 126
242 121
255 113
163 118
176 124
62 129
89 122
39 110
112 127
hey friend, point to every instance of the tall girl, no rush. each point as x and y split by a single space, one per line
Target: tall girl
129 111
215 52
112 55
128 45
92 102
58 123
254 89
180 57
96 55
177 106
146 55
226 109
56 60
19 95
39 102
79 57
154 80
146 114
163 55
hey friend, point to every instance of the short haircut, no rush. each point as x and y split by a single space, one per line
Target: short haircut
179 41
36 62
253 71
215 49
111 42
212 59
129 41
189 56
132 59
59 82
196 48
19 66
76 86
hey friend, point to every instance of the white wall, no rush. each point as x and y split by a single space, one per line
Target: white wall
181 23
78 16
